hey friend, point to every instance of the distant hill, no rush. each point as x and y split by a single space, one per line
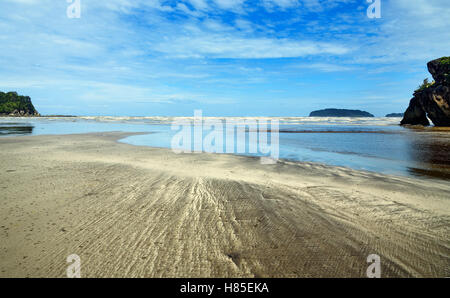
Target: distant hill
340 113
395 115
12 104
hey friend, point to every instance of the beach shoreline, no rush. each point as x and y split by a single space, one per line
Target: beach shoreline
135 211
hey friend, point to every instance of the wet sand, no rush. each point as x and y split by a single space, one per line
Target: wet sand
131 211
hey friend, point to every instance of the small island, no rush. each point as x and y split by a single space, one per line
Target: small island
340 113
395 115
14 105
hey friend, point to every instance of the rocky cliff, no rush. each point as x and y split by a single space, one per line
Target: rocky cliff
14 105
432 100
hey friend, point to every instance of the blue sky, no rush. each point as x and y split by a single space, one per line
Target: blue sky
226 57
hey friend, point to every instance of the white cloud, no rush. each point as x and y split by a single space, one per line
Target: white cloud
232 5
199 4
279 4
409 31
24 1
113 53
326 67
219 46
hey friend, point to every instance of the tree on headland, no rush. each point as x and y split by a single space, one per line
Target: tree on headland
426 83
12 104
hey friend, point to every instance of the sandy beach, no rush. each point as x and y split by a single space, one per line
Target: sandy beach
131 211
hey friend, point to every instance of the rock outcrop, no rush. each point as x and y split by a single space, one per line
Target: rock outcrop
432 100
14 105
340 113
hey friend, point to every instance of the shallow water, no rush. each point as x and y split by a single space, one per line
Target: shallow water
374 144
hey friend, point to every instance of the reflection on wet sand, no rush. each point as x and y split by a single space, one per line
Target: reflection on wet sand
431 152
15 129
379 147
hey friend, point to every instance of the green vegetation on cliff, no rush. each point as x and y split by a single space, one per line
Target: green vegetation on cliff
440 70
425 85
444 61
12 103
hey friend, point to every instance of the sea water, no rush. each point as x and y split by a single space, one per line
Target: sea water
372 144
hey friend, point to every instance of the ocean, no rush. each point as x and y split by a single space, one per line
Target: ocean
370 144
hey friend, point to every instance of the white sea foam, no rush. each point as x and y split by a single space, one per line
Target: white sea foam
378 121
